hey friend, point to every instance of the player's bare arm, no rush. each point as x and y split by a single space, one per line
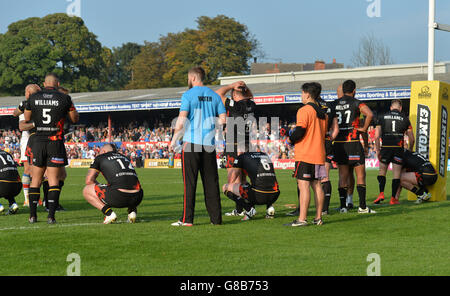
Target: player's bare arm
411 139
365 110
74 116
91 177
27 115
222 92
377 141
25 126
334 129
17 112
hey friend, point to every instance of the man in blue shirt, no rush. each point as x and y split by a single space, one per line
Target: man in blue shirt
201 110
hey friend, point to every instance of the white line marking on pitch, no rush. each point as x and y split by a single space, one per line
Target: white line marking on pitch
61 225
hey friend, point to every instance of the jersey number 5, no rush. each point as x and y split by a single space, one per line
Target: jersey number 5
46 118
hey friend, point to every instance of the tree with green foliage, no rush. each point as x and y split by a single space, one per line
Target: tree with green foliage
221 45
118 71
56 43
148 67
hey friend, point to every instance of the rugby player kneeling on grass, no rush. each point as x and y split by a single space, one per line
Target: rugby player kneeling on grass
263 190
10 184
123 189
418 173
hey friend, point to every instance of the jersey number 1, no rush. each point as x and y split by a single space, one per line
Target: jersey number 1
123 166
9 158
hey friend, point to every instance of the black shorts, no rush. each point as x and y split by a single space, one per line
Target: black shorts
309 172
118 199
258 197
10 189
229 158
47 153
426 179
391 155
328 151
28 151
231 153
349 153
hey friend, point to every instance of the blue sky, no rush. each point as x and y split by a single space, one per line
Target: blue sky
288 30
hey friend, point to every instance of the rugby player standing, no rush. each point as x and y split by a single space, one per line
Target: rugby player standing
62 170
48 109
348 150
123 189
333 130
240 117
26 128
391 129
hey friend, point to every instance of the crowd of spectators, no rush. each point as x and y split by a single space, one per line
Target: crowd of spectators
150 141
133 132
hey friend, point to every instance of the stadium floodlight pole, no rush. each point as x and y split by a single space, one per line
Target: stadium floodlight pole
442 27
431 33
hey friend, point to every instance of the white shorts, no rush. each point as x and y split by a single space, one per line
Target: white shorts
23 147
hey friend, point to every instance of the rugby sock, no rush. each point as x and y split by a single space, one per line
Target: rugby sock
362 195
106 210
395 185
52 200
61 184
349 199
326 186
34 196
11 200
26 180
45 188
381 183
342 196
418 191
240 203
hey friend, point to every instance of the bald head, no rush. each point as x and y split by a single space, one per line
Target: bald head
108 148
51 80
31 89
396 105
340 92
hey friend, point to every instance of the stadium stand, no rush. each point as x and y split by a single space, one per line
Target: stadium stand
152 111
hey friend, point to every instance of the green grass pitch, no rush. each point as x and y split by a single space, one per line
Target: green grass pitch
410 239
